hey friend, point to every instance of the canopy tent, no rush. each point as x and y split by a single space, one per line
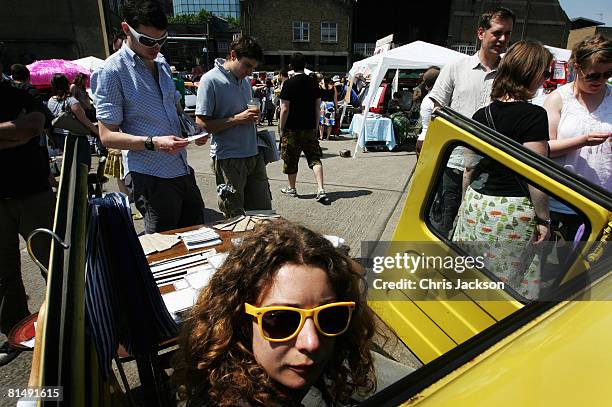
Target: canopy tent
416 55
365 66
560 54
90 63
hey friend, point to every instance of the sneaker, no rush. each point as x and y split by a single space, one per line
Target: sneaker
321 196
7 354
289 191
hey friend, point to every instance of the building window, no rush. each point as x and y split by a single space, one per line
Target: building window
464 48
364 48
223 47
301 31
222 8
329 32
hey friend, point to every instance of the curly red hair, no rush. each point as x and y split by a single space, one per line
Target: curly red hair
216 365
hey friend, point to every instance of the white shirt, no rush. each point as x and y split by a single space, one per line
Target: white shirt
427 107
465 86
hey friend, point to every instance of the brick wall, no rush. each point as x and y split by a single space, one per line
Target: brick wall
271 23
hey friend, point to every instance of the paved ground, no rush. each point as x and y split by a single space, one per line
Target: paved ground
366 193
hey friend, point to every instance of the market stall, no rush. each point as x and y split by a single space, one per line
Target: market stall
416 55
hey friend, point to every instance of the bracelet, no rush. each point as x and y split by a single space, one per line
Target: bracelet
544 222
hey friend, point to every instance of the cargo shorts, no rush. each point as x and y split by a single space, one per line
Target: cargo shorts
293 142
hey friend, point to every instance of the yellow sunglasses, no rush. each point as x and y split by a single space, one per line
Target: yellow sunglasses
281 323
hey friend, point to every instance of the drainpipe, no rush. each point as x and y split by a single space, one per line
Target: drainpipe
525 20
103 29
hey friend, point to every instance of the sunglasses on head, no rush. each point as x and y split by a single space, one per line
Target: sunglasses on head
595 76
281 323
147 41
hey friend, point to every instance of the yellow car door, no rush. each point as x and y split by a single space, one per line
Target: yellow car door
434 327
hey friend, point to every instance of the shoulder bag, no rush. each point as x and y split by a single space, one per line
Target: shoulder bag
68 121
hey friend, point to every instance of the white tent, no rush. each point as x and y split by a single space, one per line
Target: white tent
90 63
560 54
416 55
365 66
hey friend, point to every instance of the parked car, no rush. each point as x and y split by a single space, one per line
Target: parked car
191 92
505 349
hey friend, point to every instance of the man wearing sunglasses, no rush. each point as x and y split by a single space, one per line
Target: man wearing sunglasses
221 107
137 109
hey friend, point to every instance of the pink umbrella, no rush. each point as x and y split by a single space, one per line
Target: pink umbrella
41 72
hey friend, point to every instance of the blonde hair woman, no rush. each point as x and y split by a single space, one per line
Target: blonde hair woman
580 123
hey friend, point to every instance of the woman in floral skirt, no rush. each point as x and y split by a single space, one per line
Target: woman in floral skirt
501 216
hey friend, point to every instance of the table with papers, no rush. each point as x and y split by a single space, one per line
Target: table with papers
377 128
191 257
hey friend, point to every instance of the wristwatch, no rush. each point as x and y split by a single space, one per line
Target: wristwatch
149 144
545 222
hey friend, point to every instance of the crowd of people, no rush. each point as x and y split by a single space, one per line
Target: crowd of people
573 128
286 311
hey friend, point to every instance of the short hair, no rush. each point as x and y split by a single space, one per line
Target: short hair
20 72
80 79
592 49
247 47
430 76
522 64
501 13
60 85
145 12
284 73
216 362
298 61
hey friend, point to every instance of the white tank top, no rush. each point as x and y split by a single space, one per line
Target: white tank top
591 162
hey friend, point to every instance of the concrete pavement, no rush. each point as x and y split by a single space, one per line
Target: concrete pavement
366 197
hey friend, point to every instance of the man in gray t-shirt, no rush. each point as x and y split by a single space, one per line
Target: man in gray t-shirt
221 108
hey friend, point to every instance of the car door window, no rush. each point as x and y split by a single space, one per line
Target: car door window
495 214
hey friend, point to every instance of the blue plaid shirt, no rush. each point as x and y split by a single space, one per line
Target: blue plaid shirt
126 94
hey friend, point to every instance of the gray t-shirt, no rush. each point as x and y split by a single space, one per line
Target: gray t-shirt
56 107
221 94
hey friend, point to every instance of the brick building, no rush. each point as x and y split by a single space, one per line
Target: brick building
543 20
319 29
585 27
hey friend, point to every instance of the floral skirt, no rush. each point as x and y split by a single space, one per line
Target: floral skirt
113 167
500 229
328 114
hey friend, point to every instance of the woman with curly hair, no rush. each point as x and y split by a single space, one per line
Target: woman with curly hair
284 313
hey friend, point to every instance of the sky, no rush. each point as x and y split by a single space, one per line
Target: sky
599 10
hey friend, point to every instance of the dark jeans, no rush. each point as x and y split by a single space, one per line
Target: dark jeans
450 199
166 203
20 216
564 228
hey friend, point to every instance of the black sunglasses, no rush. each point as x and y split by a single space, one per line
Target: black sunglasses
595 76
147 41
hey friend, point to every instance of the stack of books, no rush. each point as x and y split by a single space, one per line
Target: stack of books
203 237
